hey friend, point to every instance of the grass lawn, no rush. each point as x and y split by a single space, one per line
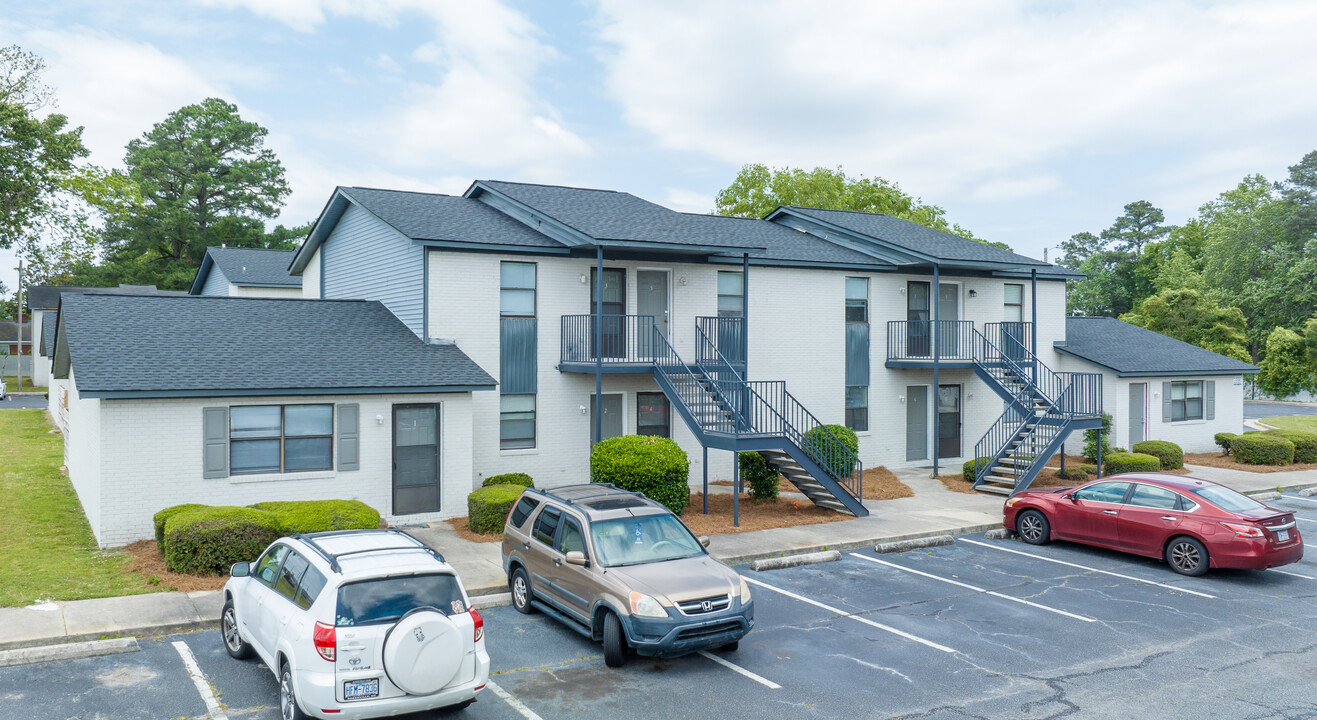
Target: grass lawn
1307 423
48 552
11 382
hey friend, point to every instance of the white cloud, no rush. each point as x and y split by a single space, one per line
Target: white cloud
1003 189
689 201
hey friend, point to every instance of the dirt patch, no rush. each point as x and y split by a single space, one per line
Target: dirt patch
1227 462
755 515
148 562
463 528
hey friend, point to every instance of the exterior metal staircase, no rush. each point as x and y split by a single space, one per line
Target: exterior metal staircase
1043 408
725 411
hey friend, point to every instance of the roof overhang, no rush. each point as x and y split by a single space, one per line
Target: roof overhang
271 392
329 216
203 272
1153 373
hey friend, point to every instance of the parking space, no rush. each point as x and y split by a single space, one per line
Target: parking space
992 628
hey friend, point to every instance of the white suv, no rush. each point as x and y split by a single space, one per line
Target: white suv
357 624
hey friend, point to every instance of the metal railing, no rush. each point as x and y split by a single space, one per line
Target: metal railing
622 338
913 339
726 336
709 412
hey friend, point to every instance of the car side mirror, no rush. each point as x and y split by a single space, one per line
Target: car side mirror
576 557
241 569
704 540
1068 496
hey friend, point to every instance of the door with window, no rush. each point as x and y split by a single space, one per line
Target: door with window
1015 332
613 323
1091 513
415 459
948 421
574 582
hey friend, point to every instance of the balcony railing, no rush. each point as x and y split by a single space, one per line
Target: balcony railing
622 339
913 340
727 335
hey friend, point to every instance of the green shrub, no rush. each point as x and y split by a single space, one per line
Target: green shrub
970 469
1257 448
163 516
1089 470
825 444
1123 462
488 507
309 516
1091 439
207 540
649 464
521 479
760 475
1305 444
1170 454
1223 441
1077 472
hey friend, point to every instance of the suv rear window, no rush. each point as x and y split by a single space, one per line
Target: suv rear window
387 599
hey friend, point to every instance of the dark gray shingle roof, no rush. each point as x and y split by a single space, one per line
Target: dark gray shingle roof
782 242
203 346
48 321
428 216
1131 350
47 296
255 267
9 331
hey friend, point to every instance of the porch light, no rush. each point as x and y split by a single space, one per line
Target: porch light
900 399
973 293
584 410
584 278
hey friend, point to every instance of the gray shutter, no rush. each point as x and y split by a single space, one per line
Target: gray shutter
857 354
1166 402
215 436
518 349
1210 392
349 437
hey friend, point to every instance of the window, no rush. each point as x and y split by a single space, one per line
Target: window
1112 492
572 540
1014 306
1151 496
546 526
516 421
857 407
281 438
290 575
731 294
267 569
653 414
307 592
857 300
1187 400
516 293
386 599
525 506
1227 499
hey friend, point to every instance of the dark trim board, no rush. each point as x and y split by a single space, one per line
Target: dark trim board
273 392
928 364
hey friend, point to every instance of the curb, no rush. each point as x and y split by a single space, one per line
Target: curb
491 600
915 544
68 651
852 545
1308 491
1266 495
790 561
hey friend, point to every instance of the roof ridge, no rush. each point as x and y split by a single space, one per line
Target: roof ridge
403 192
228 297
565 187
861 212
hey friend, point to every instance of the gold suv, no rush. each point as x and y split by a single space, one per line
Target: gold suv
621 569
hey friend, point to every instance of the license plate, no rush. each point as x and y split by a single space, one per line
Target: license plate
1282 535
361 689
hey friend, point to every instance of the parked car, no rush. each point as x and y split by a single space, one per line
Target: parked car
357 624
4 390
621 569
1193 524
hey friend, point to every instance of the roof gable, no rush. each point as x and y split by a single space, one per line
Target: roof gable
1129 350
247 267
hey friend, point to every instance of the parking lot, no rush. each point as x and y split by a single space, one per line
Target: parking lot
981 628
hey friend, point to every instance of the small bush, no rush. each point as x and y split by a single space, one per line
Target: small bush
1170 454
309 516
163 516
521 479
1089 470
1262 449
207 540
1305 444
655 466
760 475
970 469
1091 439
1123 462
488 507
1077 472
1223 441
825 442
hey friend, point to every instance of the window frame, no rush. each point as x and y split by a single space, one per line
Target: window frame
667 421
534 422
278 564
563 521
534 528
741 296
1184 400
283 438
862 303
1007 304
1178 504
534 289
848 409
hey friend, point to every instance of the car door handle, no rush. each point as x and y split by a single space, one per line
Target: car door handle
525 545
1168 517
1109 512
557 561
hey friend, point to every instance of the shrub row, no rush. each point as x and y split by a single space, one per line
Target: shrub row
1305 443
515 478
1223 440
1257 448
655 466
1170 454
1123 462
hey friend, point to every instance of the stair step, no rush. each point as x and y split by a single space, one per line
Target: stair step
994 489
808 487
832 505
999 468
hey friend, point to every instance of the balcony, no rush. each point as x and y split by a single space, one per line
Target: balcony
625 343
910 342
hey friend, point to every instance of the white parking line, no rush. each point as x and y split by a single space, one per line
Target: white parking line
1296 497
516 704
845 614
738 669
967 586
1296 517
1085 567
1294 574
213 710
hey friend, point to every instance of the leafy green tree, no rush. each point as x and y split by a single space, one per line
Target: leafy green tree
1287 368
757 191
37 157
1115 276
1185 314
1179 272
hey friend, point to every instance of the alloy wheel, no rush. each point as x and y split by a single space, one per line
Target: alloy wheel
1185 556
1031 527
230 630
519 591
286 701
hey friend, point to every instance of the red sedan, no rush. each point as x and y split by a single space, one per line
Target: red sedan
1193 524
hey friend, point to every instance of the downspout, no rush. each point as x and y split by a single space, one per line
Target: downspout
599 344
935 299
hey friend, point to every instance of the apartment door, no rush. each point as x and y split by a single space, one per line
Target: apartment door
916 422
613 424
415 459
1138 413
614 320
651 300
948 421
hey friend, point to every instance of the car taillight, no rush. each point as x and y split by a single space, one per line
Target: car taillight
325 642
1244 531
480 624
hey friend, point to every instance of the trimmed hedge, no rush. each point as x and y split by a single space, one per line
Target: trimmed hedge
309 516
969 469
163 516
760 475
825 449
1257 448
1090 470
487 508
649 464
1170 454
1124 462
1076 472
208 540
1223 441
1305 443
521 479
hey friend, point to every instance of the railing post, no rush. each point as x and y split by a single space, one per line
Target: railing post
937 296
1033 330
598 344
736 488
706 477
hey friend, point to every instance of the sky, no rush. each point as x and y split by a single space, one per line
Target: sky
1027 121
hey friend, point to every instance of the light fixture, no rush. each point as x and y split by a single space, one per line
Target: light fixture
584 410
973 293
681 280
584 278
379 419
902 291
901 398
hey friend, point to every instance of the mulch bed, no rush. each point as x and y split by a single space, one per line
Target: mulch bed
755 515
879 484
1228 462
463 528
149 562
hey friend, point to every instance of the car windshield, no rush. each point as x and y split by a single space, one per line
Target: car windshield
645 539
1228 499
387 599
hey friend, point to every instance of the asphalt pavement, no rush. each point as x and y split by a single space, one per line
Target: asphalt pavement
1254 409
23 402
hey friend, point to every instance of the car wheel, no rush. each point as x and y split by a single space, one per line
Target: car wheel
288 708
614 642
233 642
1187 556
731 646
1033 527
519 586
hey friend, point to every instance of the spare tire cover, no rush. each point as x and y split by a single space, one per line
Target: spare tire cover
422 652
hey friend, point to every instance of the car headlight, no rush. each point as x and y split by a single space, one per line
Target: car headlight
1012 501
745 591
646 606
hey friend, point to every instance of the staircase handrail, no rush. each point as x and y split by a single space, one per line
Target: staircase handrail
1006 361
684 377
